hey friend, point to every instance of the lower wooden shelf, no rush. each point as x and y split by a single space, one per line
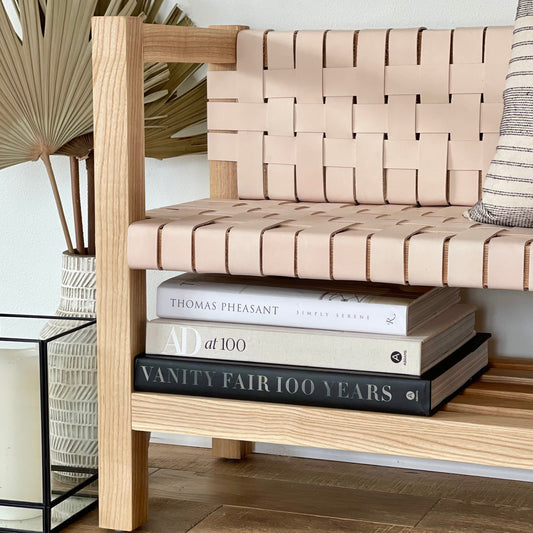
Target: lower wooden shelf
490 423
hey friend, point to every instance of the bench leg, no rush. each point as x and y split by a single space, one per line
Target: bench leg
231 449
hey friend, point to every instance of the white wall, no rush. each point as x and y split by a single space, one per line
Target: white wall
30 237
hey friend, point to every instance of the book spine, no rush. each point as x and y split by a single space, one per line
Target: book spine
279 308
275 345
292 385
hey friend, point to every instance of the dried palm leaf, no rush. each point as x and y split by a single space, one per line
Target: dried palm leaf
46 88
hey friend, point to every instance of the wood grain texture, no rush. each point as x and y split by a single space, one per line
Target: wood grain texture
516 363
166 515
121 306
257 493
468 517
347 475
175 44
231 449
480 439
274 491
228 519
508 375
491 405
500 390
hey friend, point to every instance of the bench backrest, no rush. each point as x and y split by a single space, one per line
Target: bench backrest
403 116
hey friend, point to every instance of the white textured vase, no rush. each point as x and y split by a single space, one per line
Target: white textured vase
72 372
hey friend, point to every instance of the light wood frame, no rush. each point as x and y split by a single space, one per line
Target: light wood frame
484 433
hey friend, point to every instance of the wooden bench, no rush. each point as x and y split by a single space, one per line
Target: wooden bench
333 155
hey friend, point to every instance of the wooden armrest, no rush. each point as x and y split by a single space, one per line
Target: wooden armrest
175 44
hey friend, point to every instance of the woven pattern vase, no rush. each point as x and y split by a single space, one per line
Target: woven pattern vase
72 373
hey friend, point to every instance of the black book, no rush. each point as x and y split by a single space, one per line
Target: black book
368 391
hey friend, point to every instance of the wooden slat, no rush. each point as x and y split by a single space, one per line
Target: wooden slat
175 44
500 390
516 363
121 306
490 406
489 440
504 375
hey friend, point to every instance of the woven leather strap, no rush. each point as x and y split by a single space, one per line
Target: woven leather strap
374 116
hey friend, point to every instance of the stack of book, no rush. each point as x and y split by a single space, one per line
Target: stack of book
384 348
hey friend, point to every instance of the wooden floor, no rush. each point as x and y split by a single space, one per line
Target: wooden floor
190 491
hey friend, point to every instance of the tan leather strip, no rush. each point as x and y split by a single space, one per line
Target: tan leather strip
250 66
210 248
425 259
432 174
371 66
340 183
237 116
314 250
400 182
466 256
506 258
221 85
281 182
310 167
222 146
464 187
279 245
387 253
349 254
250 165
309 63
435 58
177 242
143 243
281 120
498 41
244 246
369 185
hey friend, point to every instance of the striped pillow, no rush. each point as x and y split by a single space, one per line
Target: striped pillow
507 197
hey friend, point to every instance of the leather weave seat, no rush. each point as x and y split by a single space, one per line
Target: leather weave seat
356 154
383 243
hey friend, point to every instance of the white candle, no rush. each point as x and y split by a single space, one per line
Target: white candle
20 429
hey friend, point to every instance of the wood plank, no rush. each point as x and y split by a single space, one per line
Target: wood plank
354 504
225 185
453 515
175 44
508 375
516 363
166 514
500 390
228 519
347 475
490 406
121 306
231 449
498 441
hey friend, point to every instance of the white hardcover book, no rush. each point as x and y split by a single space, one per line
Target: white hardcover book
399 354
394 310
